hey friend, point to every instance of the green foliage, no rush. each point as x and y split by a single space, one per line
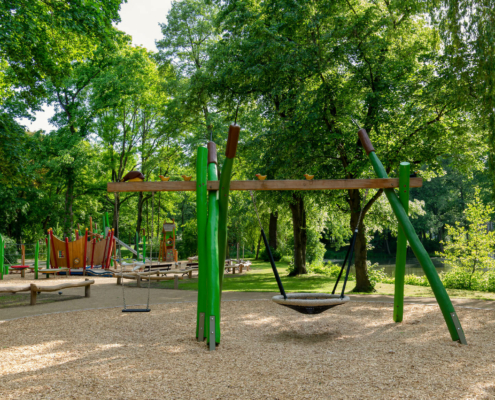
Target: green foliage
315 249
376 274
470 247
188 246
416 280
43 38
277 255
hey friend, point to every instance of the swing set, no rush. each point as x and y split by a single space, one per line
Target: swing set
212 200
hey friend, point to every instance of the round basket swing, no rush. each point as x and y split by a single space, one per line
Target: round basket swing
311 303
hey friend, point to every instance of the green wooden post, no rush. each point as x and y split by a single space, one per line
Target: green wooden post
137 246
431 273
202 213
400 262
36 254
1 257
213 280
224 191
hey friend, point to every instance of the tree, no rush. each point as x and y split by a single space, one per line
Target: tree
470 249
41 39
315 66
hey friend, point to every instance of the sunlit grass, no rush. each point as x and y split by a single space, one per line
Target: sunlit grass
260 279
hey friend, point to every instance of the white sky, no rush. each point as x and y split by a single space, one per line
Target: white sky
139 18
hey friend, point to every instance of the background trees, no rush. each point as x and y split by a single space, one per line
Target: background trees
297 77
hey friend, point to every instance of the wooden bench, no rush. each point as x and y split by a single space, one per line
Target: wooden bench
160 276
35 289
21 269
54 271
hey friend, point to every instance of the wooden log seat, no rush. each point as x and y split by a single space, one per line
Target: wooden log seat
35 288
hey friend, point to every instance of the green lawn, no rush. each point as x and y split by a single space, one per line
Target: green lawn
261 279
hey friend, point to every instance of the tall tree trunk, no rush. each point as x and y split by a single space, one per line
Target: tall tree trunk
272 230
300 235
363 283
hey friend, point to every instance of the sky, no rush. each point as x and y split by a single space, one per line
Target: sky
139 18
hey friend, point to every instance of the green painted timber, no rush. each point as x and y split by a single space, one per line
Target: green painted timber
202 215
400 262
441 295
213 281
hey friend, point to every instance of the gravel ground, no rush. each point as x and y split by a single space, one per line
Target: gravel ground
267 352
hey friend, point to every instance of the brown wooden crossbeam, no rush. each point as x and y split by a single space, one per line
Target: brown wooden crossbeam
324 184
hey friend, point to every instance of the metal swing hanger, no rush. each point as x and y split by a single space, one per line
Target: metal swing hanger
350 251
147 309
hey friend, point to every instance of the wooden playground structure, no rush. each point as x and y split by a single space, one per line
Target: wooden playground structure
167 243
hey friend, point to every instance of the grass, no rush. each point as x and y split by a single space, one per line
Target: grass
261 279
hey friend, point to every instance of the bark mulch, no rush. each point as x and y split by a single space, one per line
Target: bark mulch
353 351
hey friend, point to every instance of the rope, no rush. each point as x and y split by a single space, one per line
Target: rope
256 208
151 248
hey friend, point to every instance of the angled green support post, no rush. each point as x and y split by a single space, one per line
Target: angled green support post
1 257
441 295
212 275
400 261
202 214
36 254
224 191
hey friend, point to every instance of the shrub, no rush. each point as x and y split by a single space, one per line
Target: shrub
277 255
416 280
327 269
375 274
457 278
470 248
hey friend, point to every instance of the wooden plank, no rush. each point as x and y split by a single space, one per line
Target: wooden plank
323 184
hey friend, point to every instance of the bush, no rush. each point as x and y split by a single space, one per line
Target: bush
277 255
315 250
376 274
416 280
327 269
457 278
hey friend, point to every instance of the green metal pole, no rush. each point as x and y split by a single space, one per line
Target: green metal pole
400 262
441 295
1 257
212 274
202 213
224 191
36 254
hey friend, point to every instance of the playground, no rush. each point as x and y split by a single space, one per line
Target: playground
247 200
87 348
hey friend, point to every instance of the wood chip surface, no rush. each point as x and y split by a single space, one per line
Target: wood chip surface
353 351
